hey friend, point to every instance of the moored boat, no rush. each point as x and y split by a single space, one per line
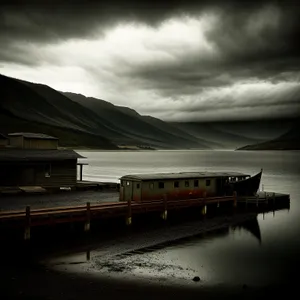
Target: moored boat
186 185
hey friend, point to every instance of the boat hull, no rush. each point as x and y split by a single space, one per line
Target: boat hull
247 187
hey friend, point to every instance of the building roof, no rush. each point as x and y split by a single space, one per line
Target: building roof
32 135
181 175
11 154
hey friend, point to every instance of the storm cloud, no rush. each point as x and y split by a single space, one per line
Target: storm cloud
176 60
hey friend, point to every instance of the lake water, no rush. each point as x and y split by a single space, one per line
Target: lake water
228 256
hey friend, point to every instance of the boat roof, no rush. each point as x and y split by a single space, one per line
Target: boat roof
181 175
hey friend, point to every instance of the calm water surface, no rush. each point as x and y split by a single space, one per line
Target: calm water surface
232 255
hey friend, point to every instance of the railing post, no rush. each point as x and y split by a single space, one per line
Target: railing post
87 224
128 217
165 212
27 224
204 210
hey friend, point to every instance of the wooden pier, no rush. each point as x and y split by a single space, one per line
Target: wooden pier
28 218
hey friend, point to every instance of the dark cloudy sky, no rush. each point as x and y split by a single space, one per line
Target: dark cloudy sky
176 60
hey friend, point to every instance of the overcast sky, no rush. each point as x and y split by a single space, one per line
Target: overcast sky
176 60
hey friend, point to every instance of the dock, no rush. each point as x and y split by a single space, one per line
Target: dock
264 198
28 218
85 185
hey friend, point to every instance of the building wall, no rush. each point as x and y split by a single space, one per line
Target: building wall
16 141
39 144
62 174
149 190
3 142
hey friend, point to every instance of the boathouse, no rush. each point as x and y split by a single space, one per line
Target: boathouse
33 159
175 186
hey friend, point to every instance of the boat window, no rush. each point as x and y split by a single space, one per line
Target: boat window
151 185
127 182
161 185
187 183
208 182
176 184
137 185
196 183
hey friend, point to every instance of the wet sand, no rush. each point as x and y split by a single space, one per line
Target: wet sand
38 283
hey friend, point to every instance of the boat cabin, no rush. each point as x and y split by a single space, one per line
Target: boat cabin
185 185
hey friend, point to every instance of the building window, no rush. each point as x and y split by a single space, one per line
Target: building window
48 170
137 185
151 185
161 185
176 184
186 183
208 182
196 183
127 183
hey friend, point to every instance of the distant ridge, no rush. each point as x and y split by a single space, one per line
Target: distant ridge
287 141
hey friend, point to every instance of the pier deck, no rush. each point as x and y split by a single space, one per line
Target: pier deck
33 216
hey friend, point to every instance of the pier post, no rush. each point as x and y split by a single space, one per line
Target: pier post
128 217
165 212
87 224
204 210
80 178
234 199
27 225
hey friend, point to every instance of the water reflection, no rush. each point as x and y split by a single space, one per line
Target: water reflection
252 226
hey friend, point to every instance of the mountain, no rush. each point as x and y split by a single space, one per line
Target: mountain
287 141
138 130
80 121
215 135
26 106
